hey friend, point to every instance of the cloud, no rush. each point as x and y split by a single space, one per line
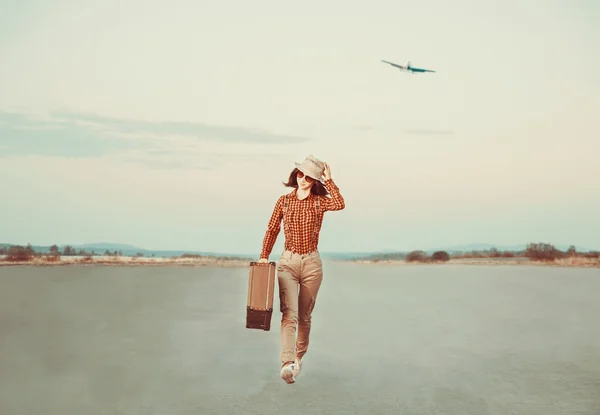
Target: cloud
155 144
24 135
189 129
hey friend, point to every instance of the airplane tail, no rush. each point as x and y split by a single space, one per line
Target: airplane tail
407 64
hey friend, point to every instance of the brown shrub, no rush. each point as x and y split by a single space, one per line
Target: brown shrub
19 253
417 256
52 258
543 252
440 256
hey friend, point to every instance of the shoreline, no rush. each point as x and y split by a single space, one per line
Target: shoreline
222 262
564 262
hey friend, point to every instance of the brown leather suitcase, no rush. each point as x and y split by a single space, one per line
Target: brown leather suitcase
261 288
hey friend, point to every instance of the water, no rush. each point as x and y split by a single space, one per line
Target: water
423 339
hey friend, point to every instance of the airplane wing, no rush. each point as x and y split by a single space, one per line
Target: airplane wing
421 70
393 64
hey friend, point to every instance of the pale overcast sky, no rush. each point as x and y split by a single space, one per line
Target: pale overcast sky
170 125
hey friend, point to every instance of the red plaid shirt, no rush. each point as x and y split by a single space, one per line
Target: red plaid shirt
302 220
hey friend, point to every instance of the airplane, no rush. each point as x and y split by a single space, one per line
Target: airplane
407 67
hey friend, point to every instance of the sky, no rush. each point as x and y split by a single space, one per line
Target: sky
171 125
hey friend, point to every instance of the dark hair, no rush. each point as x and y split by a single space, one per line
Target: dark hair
317 188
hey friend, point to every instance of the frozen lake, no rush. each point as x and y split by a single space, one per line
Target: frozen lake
423 339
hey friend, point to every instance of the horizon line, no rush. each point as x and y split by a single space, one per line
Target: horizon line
456 247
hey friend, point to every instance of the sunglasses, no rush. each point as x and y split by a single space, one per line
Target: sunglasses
307 178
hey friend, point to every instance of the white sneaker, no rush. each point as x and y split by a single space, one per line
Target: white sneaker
287 373
297 367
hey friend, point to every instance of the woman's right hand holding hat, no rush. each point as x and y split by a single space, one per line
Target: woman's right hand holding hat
327 172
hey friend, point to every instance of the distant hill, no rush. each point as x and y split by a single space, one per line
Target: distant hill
107 245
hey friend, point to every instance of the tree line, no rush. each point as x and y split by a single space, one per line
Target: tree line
534 251
27 252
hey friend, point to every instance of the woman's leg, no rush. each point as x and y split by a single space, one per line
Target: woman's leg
310 282
287 277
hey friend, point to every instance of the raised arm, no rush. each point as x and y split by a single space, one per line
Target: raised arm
336 202
273 229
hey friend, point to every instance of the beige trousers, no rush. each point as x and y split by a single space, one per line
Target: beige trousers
299 278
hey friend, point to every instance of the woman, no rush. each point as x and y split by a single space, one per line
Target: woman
300 269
